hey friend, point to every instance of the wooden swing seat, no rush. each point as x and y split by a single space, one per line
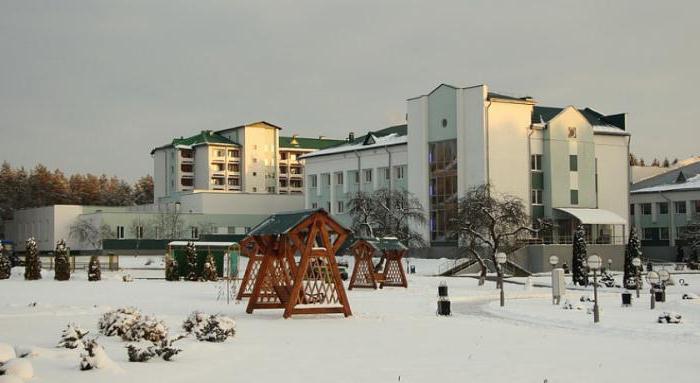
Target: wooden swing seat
284 293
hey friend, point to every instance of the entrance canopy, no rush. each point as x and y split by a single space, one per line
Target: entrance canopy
594 216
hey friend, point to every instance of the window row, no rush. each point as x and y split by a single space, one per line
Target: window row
536 162
679 207
354 175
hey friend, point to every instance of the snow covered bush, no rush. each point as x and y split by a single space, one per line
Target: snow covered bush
32 263
10 379
94 356
210 328
61 263
119 322
72 336
209 271
146 328
171 269
94 272
7 352
20 368
579 273
127 278
163 349
5 264
669 317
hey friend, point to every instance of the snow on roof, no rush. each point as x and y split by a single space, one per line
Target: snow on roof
200 243
608 129
594 216
388 140
690 184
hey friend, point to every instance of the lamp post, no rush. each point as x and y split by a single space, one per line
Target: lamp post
653 279
664 276
501 260
637 263
610 262
553 260
594 262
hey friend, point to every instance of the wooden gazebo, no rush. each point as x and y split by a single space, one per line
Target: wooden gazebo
363 273
314 285
250 250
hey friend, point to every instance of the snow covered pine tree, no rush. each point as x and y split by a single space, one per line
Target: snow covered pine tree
171 269
72 337
94 272
32 263
579 272
5 264
61 264
633 250
191 257
209 271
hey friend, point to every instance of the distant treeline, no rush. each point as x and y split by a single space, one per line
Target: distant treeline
639 161
41 187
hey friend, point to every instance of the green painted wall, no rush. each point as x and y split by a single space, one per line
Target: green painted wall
442 104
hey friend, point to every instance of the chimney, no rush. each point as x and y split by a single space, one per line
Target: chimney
351 136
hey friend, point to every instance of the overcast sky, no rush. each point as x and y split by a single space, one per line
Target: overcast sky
94 86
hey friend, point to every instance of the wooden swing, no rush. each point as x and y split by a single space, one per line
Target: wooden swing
314 285
392 274
250 250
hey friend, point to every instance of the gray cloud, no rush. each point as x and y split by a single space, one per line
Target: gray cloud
93 86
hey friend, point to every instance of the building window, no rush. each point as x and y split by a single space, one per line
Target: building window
400 172
328 206
662 207
194 232
536 197
573 163
697 206
387 173
186 181
356 176
680 207
314 205
217 181
295 183
574 197
339 178
326 179
139 232
646 208
186 168
234 181
442 186
283 183
632 209
650 233
283 155
340 206
120 232
186 153
536 162
255 189
220 153
234 153
572 132
270 189
313 179
663 233
234 168
368 175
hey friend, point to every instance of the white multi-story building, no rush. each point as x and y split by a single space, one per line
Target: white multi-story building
569 165
250 158
662 206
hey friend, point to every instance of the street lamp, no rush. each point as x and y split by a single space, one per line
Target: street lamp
594 263
610 262
637 263
501 260
653 279
553 260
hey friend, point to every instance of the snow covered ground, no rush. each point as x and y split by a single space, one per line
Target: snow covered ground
393 334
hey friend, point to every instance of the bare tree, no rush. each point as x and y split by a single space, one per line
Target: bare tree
86 231
486 224
386 212
166 224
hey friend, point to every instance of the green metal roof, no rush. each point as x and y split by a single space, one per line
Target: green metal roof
204 137
281 223
308 143
546 113
400 130
388 243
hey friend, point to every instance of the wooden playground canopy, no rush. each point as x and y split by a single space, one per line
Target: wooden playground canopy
364 274
314 285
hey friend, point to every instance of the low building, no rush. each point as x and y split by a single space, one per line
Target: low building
662 205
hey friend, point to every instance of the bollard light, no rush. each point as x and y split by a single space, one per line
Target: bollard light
637 263
594 262
653 279
553 260
501 259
